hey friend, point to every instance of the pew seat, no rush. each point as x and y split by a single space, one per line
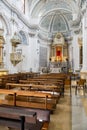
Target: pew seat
29 104
42 123
29 94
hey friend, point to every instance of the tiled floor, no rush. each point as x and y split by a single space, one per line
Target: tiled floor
70 114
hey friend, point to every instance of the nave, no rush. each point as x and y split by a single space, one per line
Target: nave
70 114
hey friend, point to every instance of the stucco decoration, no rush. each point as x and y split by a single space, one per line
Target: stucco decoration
58 39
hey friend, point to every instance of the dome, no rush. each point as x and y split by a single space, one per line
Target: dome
56 22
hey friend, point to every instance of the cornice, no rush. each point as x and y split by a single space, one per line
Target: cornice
20 16
44 38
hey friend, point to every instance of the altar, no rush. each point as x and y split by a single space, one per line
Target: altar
58 54
59 49
55 70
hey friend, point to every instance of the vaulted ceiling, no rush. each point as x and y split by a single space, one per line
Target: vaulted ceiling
54 15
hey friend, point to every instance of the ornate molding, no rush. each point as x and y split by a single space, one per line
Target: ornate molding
31 34
76 22
7 22
70 38
20 15
44 38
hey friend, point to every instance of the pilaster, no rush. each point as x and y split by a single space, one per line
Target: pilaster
84 29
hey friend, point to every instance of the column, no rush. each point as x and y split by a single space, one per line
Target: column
84 67
75 53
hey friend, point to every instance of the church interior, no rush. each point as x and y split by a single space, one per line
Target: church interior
43 65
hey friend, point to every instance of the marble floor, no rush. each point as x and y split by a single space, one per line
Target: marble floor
70 114
62 117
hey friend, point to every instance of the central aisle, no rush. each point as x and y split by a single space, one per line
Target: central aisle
61 119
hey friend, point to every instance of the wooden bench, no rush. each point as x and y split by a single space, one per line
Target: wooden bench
14 78
28 94
53 89
58 83
15 85
9 116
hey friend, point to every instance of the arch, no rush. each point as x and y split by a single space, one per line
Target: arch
65 5
6 21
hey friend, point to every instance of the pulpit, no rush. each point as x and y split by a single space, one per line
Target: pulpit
16 56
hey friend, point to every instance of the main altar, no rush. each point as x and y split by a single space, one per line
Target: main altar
58 53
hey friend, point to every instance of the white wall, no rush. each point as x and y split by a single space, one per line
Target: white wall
14 23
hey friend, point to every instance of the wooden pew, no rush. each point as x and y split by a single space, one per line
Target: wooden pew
58 83
15 85
29 95
14 78
59 79
41 116
53 89
37 103
9 116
